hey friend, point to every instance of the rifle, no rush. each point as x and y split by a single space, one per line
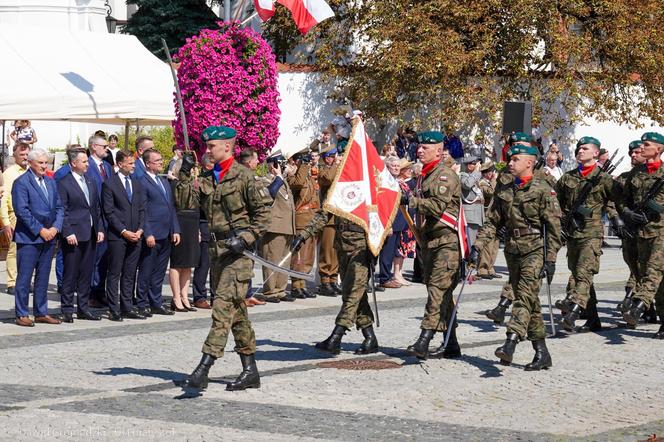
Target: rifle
648 206
574 220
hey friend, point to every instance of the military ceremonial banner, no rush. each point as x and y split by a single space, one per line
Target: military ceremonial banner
459 224
264 9
364 191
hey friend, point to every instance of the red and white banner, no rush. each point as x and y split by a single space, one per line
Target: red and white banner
364 191
458 224
264 9
308 13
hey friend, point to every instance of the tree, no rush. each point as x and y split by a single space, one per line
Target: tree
449 62
175 21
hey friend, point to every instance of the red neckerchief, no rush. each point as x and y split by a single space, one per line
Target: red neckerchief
221 168
426 170
653 167
520 182
587 170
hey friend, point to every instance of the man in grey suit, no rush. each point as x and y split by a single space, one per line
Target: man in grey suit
471 195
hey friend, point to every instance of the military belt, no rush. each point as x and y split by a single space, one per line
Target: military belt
349 228
518 233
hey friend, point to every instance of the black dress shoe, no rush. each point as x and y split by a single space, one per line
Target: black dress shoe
145 312
174 308
326 289
336 288
287 298
298 294
68 318
378 288
160 310
308 294
88 315
133 315
10 290
114 316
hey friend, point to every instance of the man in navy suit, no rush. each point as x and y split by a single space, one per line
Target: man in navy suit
124 210
39 218
161 227
81 231
142 144
99 171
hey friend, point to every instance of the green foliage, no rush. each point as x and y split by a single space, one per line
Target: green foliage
175 21
161 135
282 33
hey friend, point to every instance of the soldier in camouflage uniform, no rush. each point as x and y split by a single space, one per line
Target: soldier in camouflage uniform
236 207
524 210
488 183
585 232
645 216
436 200
328 268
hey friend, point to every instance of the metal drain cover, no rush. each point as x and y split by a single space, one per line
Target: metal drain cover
359 364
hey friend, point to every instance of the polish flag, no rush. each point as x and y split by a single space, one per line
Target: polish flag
364 191
264 9
307 13
459 224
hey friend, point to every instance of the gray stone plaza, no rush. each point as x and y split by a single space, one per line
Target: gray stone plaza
125 381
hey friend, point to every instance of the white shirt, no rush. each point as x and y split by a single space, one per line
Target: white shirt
80 180
156 179
123 181
554 171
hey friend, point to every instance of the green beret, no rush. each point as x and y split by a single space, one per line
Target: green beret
431 137
635 145
523 150
341 145
520 137
655 137
588 140
218 133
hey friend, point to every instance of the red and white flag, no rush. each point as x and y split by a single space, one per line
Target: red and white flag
264 9
364 191
458 224
308 13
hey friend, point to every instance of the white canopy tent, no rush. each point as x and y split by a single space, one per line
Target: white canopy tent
82 76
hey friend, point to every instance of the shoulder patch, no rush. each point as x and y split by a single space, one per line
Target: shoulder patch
553 192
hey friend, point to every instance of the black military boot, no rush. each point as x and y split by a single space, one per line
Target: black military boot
326 289
452 351
632 315
421 347
564 305
199 378
249 378
336 288
506 352
498 312
650 316
571 317
542 359
370 343
333 343
593 323
660 332
626 303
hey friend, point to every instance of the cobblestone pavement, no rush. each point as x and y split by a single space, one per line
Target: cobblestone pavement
109 381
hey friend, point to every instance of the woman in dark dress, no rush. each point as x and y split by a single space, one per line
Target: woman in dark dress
185 255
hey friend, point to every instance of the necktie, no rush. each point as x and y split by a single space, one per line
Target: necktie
128 188
161 185
42 184
102 171
86 191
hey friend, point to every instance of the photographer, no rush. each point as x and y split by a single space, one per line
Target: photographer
304 186
280 232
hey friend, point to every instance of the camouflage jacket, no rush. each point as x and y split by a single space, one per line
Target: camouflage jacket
487 191
637 185
437 193
326 176
523 211
238 203
601 198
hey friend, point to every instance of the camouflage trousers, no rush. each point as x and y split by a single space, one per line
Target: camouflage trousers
583 261
630 254
488 257
441 276
229 279
526 320
650 284
507 291
354 258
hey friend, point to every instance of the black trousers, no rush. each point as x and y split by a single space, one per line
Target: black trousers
123 259
77 276
201 273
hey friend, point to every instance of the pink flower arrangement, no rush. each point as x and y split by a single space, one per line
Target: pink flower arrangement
228 76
